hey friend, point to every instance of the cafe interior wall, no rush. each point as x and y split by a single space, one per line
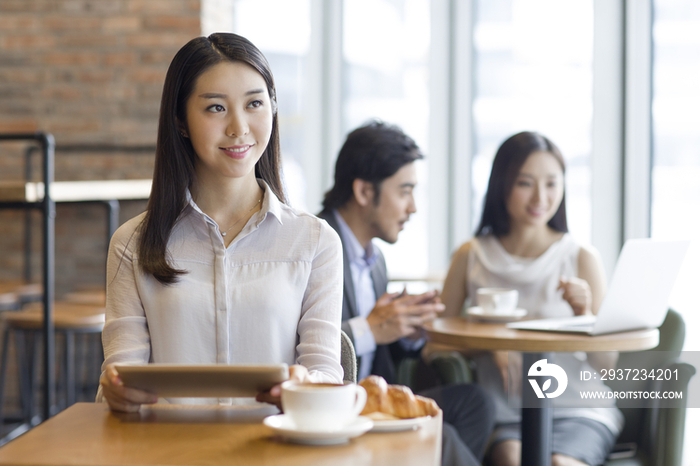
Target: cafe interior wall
90 72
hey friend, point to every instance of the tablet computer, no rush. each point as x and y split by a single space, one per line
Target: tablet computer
203 380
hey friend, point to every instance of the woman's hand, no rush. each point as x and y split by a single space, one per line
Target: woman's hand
121 398
577 292
297 373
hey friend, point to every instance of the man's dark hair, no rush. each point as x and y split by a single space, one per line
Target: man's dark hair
373 152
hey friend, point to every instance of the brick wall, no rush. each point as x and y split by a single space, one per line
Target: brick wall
90 72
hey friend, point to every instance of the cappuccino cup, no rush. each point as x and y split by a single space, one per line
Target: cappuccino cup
322 406
497 300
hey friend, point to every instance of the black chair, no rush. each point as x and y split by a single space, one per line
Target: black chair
441 368
348 359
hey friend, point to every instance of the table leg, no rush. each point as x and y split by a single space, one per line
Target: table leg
112 218
536 419
70 368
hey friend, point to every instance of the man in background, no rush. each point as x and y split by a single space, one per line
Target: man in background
372 197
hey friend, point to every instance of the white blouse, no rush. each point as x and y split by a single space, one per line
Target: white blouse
537 280
274 295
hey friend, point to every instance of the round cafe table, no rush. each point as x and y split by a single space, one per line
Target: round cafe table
536 423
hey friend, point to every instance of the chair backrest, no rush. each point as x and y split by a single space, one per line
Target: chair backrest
348 359
671 337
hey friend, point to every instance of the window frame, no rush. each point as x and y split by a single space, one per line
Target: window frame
621 126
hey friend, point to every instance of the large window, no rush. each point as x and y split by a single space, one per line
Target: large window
284 39
385 75
675 171
676 120
675 193
533 63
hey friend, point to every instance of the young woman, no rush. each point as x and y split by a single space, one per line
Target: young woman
522 243
219 269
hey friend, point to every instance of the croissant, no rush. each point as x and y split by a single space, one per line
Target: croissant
395 400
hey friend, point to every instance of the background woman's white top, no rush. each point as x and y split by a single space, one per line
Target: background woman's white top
273 295
536 279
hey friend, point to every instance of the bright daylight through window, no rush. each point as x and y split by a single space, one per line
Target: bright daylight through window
534 73
385 75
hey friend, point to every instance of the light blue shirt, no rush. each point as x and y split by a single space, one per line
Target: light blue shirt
361 262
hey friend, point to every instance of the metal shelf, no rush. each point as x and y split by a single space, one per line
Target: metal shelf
47 207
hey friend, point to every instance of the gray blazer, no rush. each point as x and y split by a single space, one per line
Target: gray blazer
386 355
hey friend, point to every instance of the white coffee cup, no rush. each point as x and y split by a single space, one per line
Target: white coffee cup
497 300
322 406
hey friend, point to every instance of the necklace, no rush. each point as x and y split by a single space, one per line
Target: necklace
244 216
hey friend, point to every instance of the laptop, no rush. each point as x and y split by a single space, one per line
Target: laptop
638 294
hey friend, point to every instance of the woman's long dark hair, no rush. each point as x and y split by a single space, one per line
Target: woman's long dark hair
174 170
510 158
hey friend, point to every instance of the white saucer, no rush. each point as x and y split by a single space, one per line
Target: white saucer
283 426
399 425
478 313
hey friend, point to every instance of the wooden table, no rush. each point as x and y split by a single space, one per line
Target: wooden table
460 332
88 433
536 423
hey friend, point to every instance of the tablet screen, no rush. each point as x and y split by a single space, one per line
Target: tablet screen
203 380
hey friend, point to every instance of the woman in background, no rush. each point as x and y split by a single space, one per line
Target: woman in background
522 243
219 269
